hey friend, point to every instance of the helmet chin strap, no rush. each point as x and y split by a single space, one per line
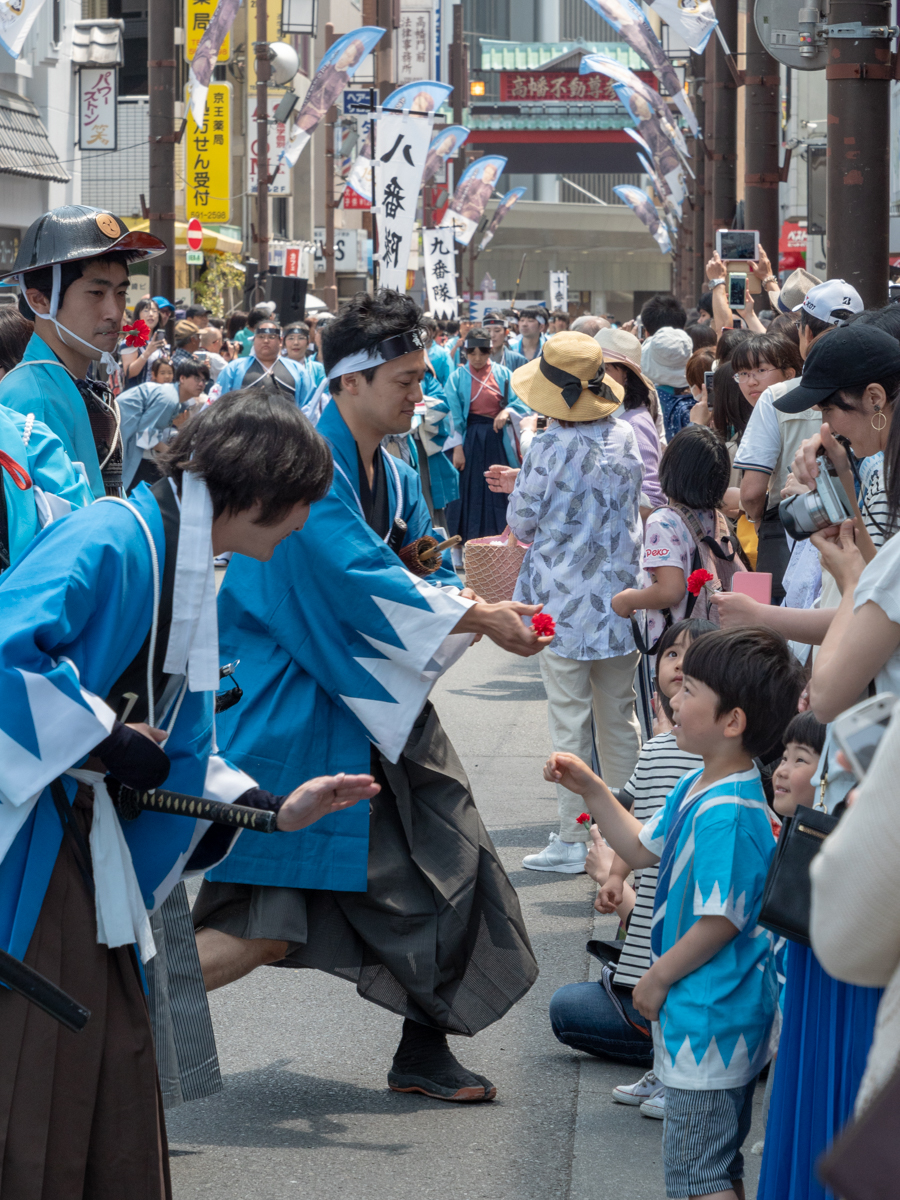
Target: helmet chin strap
106 358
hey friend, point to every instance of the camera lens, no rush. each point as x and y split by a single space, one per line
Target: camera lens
803 515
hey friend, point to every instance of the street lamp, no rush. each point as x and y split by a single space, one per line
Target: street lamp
300 16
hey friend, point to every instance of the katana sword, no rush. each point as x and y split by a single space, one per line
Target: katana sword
131 803
40 991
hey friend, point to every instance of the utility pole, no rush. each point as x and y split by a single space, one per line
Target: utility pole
697 217
263 71
330 288
720 130
858 162
161 84
761 138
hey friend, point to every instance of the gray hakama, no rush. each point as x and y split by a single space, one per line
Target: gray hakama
438 936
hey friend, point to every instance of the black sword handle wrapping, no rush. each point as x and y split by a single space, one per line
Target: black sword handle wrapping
40 991
237 815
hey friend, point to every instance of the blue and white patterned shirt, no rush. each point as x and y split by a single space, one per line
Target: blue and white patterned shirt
576 500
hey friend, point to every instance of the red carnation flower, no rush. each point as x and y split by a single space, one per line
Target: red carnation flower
584 819
543 624
137 334
697 579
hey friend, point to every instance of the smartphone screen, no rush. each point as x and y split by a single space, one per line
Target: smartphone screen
738 243
708 377
737 291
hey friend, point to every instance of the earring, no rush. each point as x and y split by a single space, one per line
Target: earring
883 422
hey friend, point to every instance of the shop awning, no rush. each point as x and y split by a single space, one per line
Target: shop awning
213 241
24 143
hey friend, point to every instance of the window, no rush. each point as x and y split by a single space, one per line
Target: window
280 217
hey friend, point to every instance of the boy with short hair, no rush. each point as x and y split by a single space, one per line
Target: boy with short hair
711 990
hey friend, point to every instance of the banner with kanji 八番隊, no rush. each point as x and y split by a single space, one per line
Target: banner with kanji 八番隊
401 147
440 272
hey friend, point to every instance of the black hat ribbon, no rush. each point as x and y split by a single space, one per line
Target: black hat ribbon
570 384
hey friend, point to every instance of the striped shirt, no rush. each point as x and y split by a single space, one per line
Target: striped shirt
660 766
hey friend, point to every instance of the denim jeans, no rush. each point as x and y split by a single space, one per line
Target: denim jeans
583 1017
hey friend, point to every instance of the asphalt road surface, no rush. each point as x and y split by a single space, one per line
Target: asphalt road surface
305 1110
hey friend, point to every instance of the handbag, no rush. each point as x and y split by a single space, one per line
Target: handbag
787 892
493 565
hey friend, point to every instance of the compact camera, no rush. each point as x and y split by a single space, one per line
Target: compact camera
809 512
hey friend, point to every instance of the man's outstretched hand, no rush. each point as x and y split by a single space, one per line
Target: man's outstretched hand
319 797
503 624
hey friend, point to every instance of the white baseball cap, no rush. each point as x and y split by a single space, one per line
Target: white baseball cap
824 299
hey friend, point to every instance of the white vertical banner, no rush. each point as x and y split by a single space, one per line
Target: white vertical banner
16 19
440 272
559 289
97 108
401 147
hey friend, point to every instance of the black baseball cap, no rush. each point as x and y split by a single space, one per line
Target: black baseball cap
847 357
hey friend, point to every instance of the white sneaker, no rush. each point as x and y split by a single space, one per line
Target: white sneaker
567 857
655 1105
637 1093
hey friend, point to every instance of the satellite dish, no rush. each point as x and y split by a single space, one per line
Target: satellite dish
285 62
789 34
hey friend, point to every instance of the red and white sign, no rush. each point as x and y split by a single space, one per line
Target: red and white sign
195 234
292 260
352 199
792 246
562 85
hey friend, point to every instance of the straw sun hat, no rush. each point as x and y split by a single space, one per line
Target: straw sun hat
620 346
566 380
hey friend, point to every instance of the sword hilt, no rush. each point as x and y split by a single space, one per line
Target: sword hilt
239 816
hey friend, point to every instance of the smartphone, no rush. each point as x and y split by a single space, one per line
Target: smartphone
859 730
541 423
708 377
740 244
737 291
755 584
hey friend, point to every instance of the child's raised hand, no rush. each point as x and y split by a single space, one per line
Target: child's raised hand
569 771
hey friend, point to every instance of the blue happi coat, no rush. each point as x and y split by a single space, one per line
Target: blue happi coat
74 612
339 648
56 487
40 384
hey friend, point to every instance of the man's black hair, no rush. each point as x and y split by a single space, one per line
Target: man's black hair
753 669
693 627
217 323
257 315
816 326
695 469
701 335
189 367
362 324
42 277
887 318
806 731
252 445
705 303
663 310
15 330
537 314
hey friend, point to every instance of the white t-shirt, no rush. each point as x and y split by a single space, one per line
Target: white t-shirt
772 438
880 583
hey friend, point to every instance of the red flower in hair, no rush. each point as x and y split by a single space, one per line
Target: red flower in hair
584 819
137 334
697 579
543 624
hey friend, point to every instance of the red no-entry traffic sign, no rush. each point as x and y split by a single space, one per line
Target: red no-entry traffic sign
194 234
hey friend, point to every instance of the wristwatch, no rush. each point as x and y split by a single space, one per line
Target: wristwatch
715 282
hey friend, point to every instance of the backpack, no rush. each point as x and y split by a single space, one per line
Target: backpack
711 553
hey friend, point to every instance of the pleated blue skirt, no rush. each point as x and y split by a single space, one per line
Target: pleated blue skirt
825 1039
479 512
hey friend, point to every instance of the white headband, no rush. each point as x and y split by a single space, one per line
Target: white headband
361 361
106 358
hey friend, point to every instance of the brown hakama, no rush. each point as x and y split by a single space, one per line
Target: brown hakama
80 1113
